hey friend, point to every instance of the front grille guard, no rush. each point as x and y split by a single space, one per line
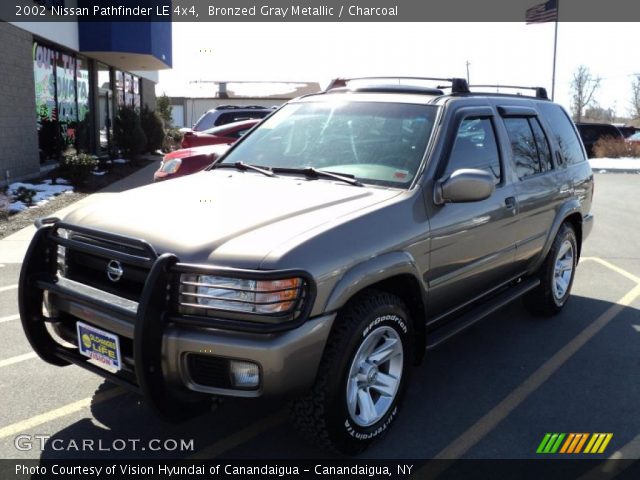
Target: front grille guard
154 312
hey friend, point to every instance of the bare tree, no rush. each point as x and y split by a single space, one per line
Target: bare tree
583 86
635 97
600 114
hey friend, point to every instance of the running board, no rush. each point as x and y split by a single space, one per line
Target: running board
463 322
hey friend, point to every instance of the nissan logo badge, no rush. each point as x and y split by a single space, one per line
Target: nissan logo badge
114 270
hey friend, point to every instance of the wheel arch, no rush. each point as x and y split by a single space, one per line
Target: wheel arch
394 273
571 213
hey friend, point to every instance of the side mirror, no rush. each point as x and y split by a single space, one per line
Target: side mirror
465 185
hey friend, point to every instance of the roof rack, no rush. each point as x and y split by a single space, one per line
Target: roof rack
458 85
241 107
541 92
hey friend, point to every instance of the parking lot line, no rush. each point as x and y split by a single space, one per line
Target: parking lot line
613 267
9 318
238 438
7 288
17 359
497 414
24 425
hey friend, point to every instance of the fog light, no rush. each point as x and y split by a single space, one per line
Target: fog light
244 374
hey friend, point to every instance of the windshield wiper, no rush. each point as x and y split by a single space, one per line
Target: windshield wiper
246 166
312 172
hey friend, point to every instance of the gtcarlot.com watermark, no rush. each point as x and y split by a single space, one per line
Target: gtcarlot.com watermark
26 442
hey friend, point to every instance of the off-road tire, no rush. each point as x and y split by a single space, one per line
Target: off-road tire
541 300
322 415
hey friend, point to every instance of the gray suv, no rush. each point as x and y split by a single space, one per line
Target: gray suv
319 258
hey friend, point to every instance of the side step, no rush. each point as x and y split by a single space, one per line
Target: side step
440 335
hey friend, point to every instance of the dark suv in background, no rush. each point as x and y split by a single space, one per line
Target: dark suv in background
320 256
590 133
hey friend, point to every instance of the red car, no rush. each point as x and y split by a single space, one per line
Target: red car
223 134
188 160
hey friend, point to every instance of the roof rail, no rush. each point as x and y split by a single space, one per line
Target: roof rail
240 107
541 92
458 85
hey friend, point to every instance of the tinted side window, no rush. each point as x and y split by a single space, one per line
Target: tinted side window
230 117
542 143
565 135
523 145
475 147
205 122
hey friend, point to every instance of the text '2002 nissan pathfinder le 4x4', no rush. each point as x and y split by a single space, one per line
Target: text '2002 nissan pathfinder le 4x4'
321 255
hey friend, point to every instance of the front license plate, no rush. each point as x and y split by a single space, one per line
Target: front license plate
101 346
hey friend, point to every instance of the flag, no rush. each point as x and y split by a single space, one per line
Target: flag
544 12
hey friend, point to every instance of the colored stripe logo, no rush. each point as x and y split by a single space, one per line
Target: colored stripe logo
574 443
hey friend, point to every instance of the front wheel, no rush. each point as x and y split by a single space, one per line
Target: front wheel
556 275
362 375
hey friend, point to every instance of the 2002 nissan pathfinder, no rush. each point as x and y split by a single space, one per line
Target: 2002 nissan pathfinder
321 255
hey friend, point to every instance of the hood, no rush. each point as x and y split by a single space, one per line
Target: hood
209 216
217 149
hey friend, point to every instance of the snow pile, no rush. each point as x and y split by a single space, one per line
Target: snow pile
44 192
601 165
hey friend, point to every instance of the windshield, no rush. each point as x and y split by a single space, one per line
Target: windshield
379 143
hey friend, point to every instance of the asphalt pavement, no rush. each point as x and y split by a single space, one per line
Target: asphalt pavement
491 392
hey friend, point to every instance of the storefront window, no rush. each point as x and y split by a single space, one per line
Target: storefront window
128 88
105 106
120 87
62 92
83 132
136 92
67 102
44 60
128 95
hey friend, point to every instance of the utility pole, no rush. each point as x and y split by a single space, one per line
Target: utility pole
468 81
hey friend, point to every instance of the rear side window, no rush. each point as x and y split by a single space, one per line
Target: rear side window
205 122
544 151
564 133
475 147
523 146
231 117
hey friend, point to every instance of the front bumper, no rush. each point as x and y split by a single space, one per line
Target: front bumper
159 347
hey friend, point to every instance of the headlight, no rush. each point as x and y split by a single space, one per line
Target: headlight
239 294
62 253
171 166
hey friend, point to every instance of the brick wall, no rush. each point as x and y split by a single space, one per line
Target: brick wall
18 132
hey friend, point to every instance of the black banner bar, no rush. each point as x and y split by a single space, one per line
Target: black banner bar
309 10
534 469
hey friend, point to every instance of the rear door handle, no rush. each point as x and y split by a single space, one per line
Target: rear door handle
510 202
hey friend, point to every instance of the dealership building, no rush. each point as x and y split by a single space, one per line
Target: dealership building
61 85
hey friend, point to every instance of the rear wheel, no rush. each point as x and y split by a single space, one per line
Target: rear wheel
556 275
362 375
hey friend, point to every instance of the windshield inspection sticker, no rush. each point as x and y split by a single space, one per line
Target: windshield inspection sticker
101 346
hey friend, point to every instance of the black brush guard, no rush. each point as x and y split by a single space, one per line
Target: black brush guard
38 274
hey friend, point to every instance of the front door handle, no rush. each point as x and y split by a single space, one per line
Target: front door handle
510 202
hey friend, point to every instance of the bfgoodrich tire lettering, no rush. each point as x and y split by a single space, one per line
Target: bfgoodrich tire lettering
369 347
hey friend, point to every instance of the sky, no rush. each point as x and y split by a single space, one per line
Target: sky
498 53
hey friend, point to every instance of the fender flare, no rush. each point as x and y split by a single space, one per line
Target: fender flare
372 271
569 208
